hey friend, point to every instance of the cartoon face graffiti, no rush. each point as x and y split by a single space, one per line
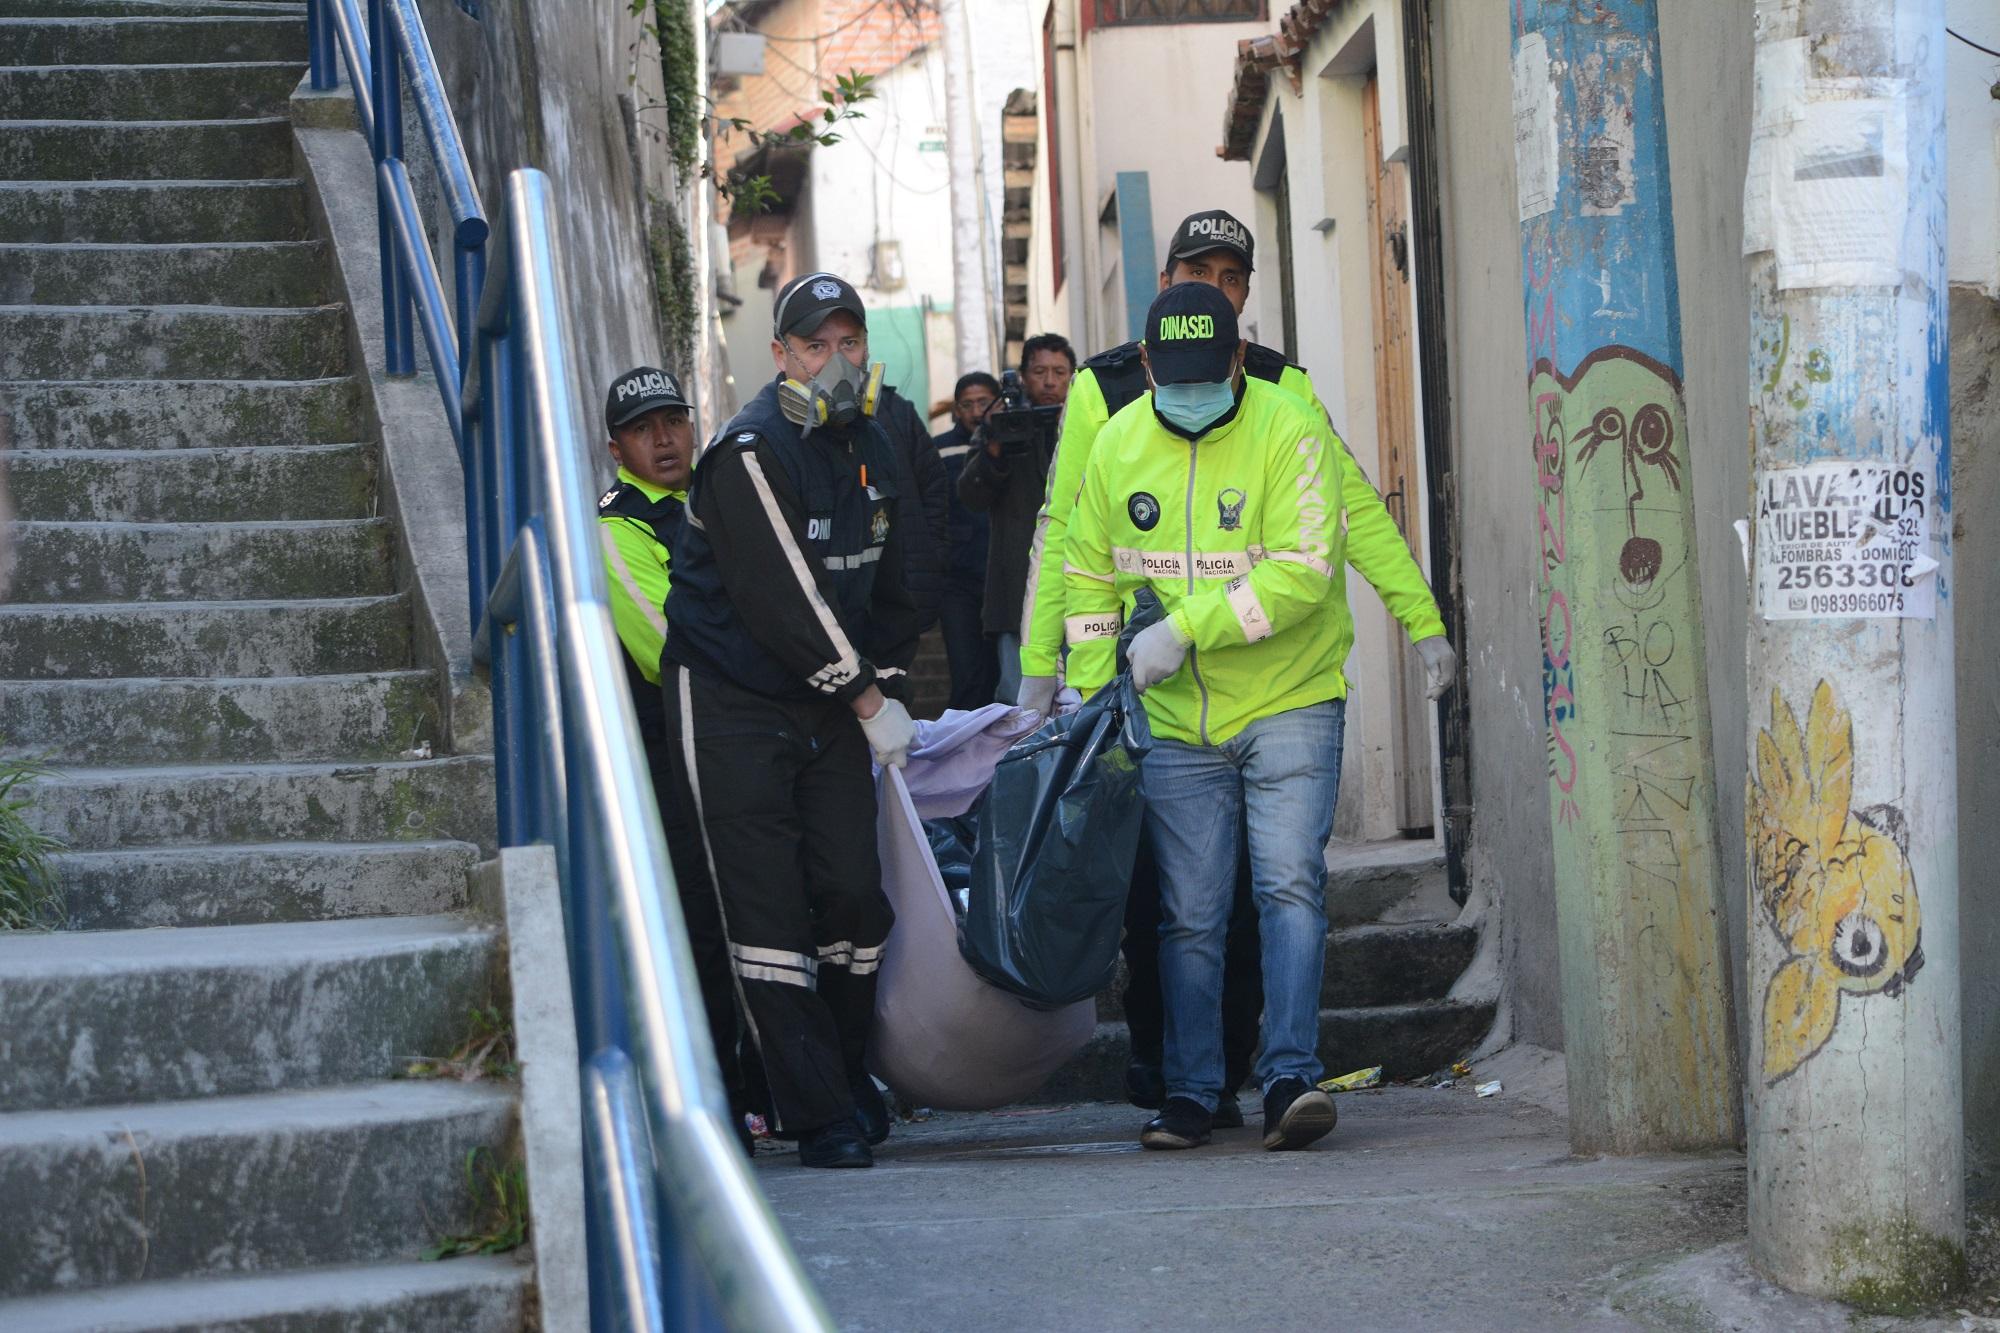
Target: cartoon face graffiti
1834 883
1647 442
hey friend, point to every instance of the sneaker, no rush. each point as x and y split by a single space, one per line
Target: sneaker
836 1145
1182 1123
1228 1112
1144 1087
870 1111
1296 1114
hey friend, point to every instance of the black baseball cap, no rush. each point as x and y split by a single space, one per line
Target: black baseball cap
804 303
1191 335
637 392
1215 229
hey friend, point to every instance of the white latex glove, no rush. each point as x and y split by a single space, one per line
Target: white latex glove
890 733
1440 665
1157 652
1037 694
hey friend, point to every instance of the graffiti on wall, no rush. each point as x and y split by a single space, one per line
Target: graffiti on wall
1612 488
1834 882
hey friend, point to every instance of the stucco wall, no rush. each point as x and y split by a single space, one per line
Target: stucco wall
1706 56
536 84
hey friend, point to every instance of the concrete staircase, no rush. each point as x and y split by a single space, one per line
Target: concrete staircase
199 1126
1394 951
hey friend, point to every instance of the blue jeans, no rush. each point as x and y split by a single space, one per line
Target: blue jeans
1279 777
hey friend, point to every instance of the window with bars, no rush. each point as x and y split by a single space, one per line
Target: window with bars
1113 13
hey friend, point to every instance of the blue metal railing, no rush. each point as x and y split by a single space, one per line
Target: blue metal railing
679 1235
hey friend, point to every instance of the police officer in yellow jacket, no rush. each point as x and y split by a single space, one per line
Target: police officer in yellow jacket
650 423
1215 248
1221 494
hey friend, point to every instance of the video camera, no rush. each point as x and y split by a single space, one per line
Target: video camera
1015 425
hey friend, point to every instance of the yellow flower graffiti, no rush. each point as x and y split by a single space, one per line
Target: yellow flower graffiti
1835 882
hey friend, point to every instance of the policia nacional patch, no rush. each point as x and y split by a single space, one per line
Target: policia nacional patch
1144 511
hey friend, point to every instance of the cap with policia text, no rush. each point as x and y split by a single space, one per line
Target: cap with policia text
1191 335
1200 233
805 303
637 392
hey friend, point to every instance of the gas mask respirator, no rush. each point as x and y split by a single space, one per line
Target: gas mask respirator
840 394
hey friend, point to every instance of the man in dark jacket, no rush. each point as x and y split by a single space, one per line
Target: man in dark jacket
1010 489
787 584
974 661
922 479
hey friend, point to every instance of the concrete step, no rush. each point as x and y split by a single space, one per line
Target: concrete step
97 1017
483 1294
256 883
179 562
1369 965
245 273
285 719
171 342
246 638
44 38
145 8
153 211
1393 881
247 485
231 1185
1407 1040
179 414
420 800
220 91
130 150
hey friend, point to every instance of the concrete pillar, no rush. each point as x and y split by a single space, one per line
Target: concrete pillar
972 287
1647 1015
1855 1133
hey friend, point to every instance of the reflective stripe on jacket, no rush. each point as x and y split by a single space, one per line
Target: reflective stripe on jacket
1239 533
1375 546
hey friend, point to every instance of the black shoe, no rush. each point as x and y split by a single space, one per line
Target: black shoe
870 1112
1182 1123
1296 1114
1228 1113
1144 1087
837 1144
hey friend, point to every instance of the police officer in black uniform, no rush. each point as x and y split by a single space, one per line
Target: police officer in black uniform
787 589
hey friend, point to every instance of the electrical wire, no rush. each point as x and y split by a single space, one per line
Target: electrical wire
1974 45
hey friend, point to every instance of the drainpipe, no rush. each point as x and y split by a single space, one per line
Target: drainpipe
1648 1025
971 285
1855 1112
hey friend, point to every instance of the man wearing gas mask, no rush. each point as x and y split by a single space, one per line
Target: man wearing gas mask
788 634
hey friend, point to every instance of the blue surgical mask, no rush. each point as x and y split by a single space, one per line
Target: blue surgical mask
1194 407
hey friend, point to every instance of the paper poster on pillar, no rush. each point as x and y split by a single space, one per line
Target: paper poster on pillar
1838 195
1840 540
1534 128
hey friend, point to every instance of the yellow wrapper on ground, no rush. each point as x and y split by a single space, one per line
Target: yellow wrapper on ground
1359 1079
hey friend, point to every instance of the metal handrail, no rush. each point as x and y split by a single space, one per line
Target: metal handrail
679 1234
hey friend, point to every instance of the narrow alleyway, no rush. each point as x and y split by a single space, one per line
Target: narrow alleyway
1429 1209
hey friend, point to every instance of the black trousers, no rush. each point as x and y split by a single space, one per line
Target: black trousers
699 909
968 650
1242 971
784 811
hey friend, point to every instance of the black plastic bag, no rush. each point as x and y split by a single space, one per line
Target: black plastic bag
1057 834
952 841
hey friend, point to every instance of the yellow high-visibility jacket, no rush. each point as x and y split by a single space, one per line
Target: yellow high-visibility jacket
1238 533
633 519
1375 546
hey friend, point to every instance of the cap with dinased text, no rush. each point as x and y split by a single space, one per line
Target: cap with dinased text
639 391
805 302
1191 335
1215 229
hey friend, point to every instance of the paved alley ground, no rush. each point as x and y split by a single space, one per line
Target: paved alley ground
1426 1209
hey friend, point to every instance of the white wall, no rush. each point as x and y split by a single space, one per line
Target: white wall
1972 140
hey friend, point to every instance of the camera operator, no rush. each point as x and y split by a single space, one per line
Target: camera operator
1006 480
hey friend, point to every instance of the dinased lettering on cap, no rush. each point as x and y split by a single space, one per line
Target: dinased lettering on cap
1176 328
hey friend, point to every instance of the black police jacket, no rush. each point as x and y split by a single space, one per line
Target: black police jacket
788 570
